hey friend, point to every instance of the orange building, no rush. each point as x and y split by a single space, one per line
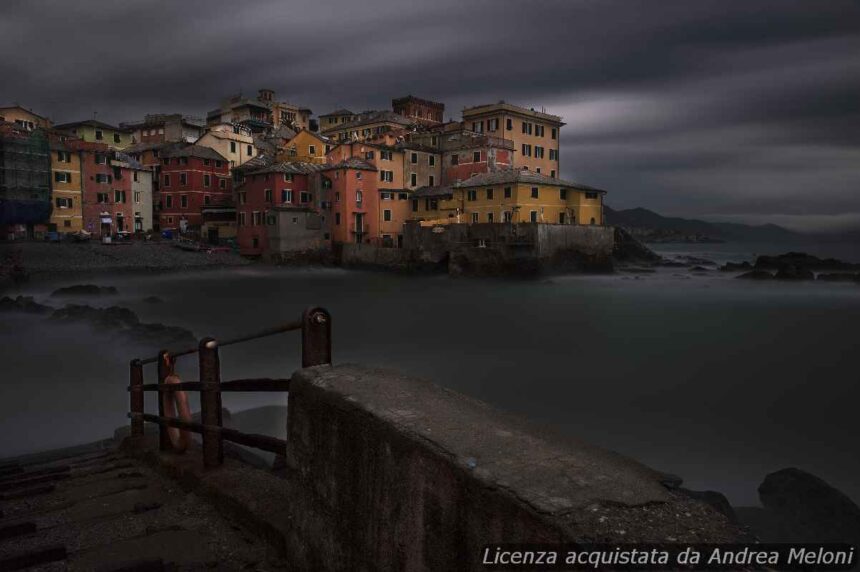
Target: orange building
352 185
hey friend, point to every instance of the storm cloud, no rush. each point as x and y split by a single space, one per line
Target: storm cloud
728 110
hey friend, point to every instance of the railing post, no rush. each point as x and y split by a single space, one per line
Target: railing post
210 402
135 378
316 337
163 371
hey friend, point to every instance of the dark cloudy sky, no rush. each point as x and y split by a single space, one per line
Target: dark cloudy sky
726 109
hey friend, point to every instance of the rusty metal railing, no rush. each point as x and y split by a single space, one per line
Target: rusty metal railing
315 326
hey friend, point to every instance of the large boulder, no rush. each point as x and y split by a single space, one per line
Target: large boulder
805 508
756 275
84 290
736 266
793 272
803 260
23 304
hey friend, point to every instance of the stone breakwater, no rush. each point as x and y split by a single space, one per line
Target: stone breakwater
50 258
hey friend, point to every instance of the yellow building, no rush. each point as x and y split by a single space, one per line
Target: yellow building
306 147
66 188
23 118
535 134
93 131
510 195
367 126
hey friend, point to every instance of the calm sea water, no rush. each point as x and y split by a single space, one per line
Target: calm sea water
718 380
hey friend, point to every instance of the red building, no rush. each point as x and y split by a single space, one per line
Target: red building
465 155
352 186
192 177
426 111
263 187
107 206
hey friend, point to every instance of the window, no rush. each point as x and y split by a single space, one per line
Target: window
232 146
183 201
337 197
207 200
271 220
101 178
562 194
256 218
207 180
288 177
119 196
455 159
534 192
222 184
415 205
166 161
537 170
183 160
489 217
385 155
590 195
527 150
386 215
538 152
337 218
207 162
539 130
492 125
431 159
471 195
62 177
368 155
183 179
312 150
267 195
116 137
64 203
507 216
358 197
102 198
476 157
474 217
99 135
135 177
243 197
242 221
431 181
413 179
250 151
553 133
593 221
67 223
490 194
100 159
533 216
305 197
413 158
507 192
552 173
386 176
64 157
385 196
218 163
402 196
168 201
509 124
358 175
137 197
553 155
562 218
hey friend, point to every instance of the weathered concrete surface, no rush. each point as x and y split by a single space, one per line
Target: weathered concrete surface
389 472
107 511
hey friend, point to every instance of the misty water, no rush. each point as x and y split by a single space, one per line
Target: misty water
717 380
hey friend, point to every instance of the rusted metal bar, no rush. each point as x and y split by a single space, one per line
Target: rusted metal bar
316 337
210 402
254 384
163 372
135 379
264 442
288 327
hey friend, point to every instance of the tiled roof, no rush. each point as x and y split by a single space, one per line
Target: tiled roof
338 112
427 192
141 147
505 176
198 151
375 117
351 163
90 123
295 167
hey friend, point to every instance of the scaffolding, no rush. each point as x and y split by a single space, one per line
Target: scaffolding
25 176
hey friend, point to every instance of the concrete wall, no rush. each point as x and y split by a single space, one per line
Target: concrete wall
388 472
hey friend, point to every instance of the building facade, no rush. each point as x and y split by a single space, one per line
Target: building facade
67 186
535 135
25 180
354 201
422 110
93 131
23 118
161 128
234 142
192 177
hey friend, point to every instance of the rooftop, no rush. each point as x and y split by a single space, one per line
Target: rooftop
371 117
351 163
295 167
194 151
505 176
338 112
436 191
510 108
88 123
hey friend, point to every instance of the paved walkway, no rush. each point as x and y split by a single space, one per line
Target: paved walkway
100 510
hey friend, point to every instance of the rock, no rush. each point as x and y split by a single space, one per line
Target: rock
756 275
628 248
126 322
715 499
839 277
153 300
23 304
807 509
736 266
699 269
673 264
670 480
112 317
792 272
803 260
697 261
84 290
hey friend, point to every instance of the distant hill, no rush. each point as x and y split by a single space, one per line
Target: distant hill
652 227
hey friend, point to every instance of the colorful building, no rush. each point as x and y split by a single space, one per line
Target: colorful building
192 177
107 208
233 141
331 120
93 131
23 118
259 115
306 147
25 180
535 134
67 186
422 110
162 128
352 185
513 195
368 125
264 187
